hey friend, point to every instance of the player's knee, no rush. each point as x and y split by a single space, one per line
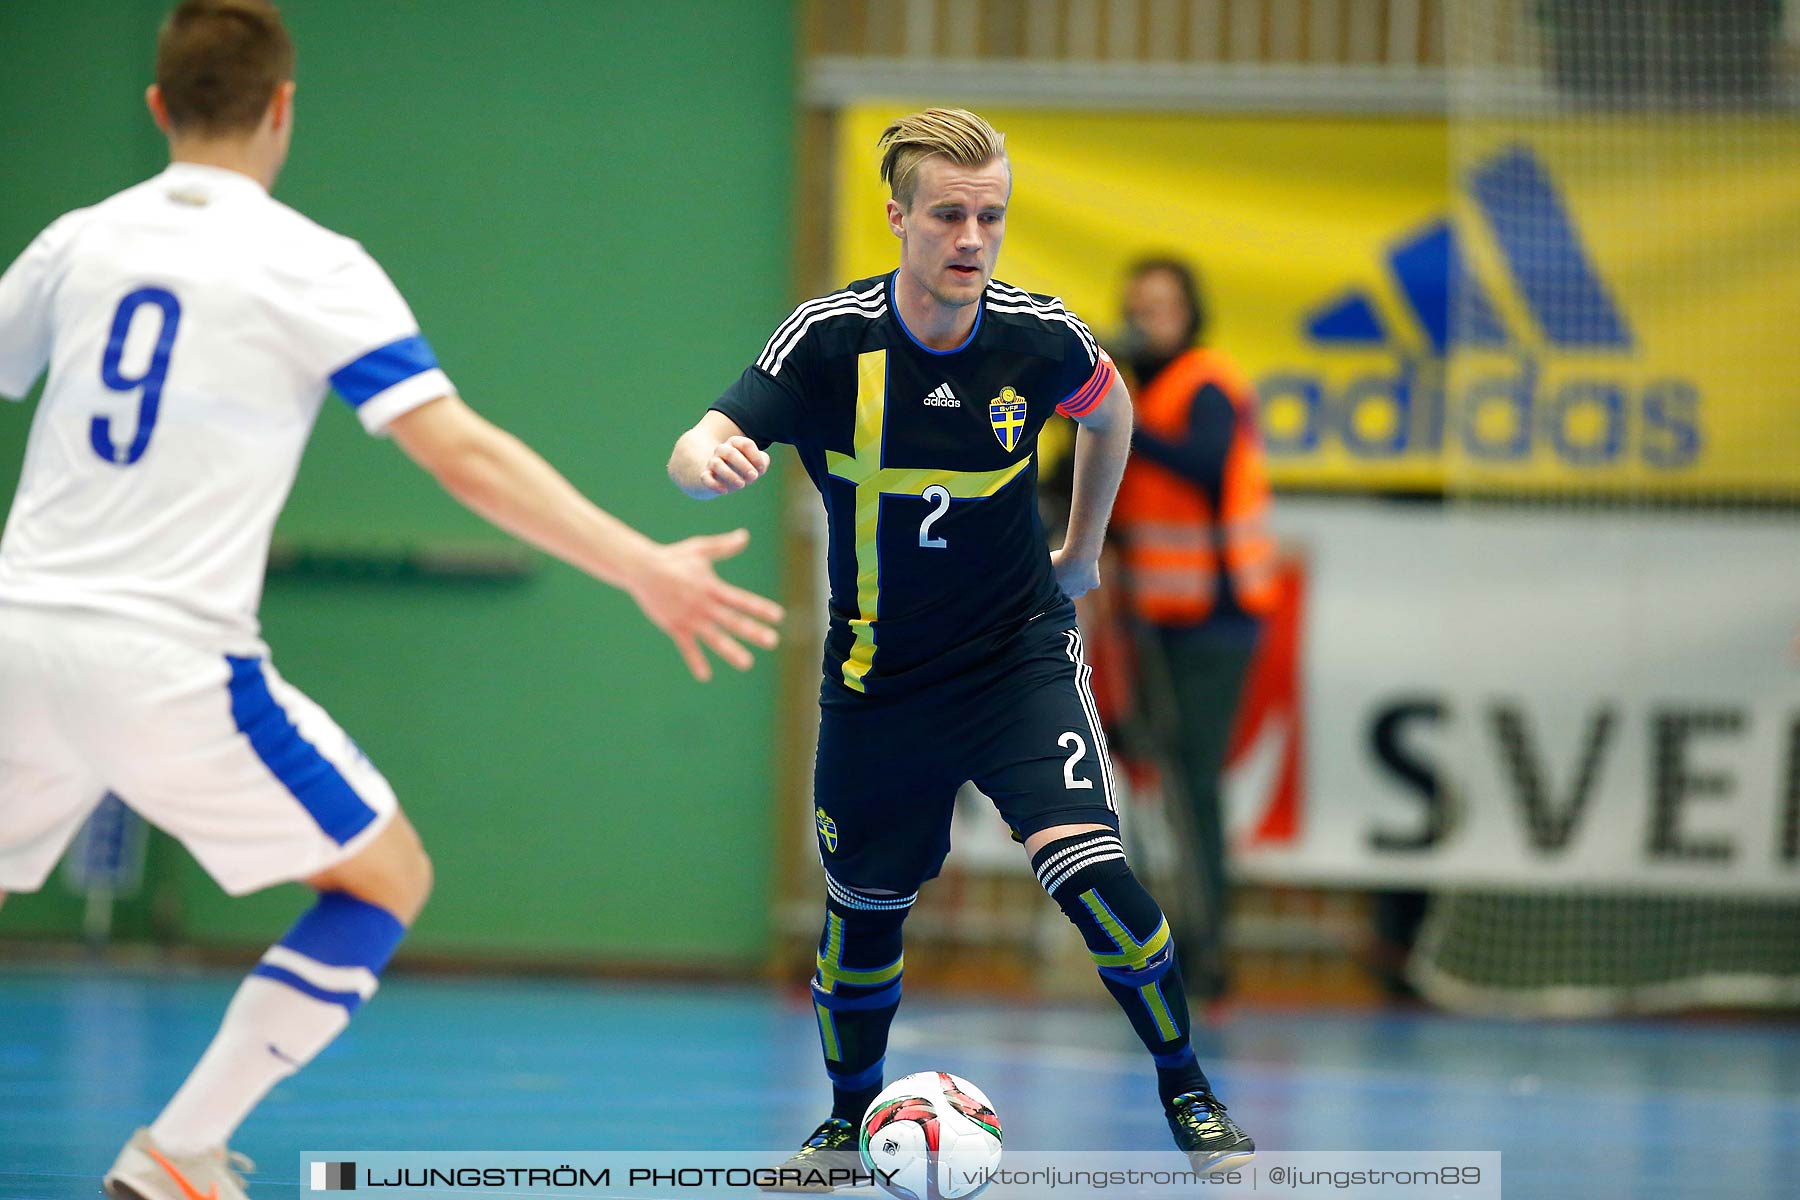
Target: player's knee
867 904
1088 877
411 875
1057 833
864 897
419 877
1070 864
860 959
867 920
393 872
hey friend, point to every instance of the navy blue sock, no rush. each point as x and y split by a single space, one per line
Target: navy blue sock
856 991
1128 939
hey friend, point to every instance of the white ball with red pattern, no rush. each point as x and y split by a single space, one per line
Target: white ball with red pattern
931 1136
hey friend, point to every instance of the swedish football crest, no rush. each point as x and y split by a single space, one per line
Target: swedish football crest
827 829
1006 413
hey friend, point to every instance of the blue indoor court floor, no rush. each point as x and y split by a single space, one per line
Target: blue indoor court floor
1581 1111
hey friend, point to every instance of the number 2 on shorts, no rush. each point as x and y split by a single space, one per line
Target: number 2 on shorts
1069 781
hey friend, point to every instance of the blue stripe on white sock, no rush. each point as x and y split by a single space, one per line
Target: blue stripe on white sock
350 1001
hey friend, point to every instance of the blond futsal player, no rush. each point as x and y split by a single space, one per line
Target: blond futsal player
914 400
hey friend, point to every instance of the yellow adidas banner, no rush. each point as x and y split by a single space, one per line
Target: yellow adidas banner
1596 307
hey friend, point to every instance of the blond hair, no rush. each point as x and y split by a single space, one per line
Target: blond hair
954 133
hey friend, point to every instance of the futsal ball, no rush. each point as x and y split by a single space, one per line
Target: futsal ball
931 1136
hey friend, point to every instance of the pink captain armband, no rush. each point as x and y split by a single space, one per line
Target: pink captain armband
1089 395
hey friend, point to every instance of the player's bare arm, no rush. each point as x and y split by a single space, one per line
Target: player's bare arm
501 479
1101 448
714 457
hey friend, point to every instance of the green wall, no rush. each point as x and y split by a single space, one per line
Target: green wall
586 203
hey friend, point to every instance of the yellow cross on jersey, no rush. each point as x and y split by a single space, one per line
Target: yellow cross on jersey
936 550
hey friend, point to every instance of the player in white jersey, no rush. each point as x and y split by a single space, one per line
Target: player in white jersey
191 326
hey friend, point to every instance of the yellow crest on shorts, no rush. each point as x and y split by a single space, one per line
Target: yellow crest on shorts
1006 413
827 829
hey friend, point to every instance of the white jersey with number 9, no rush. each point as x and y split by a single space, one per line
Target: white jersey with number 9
191 326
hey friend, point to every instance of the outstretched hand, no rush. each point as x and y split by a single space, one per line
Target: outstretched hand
685 598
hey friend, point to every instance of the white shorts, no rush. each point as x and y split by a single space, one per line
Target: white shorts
257 781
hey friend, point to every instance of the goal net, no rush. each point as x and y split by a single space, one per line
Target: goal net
1628 172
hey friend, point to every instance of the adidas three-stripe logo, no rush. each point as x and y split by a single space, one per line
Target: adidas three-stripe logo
869 304
942 397
1083 851
1556 278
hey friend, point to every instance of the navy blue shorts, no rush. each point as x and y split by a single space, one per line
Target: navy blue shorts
1024 729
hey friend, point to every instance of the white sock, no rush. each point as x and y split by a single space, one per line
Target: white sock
299 997
269 1032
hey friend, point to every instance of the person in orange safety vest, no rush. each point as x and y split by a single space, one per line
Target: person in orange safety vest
1190 524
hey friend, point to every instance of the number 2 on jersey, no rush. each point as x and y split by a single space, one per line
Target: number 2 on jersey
939 495
149 384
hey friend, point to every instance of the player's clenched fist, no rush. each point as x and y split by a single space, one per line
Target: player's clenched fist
715 458
734 463
1076 574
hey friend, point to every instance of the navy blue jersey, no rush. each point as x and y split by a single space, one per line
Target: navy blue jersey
924 459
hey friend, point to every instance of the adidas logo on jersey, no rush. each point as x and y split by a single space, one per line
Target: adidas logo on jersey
942 397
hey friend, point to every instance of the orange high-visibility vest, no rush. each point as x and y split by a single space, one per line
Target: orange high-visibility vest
1174 546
